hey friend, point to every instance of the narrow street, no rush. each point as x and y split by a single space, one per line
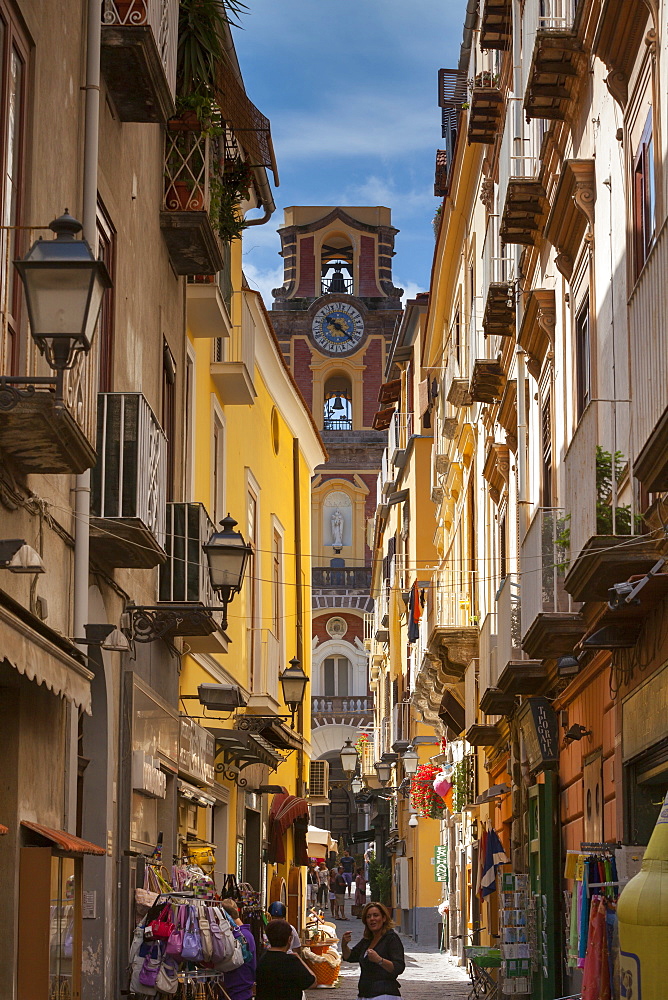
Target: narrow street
427 970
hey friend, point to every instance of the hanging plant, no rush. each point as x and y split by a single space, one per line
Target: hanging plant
459 786
228 189
361 742
424 799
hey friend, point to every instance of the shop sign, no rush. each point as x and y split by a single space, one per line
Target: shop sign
147 777
196 752
540 729
441 863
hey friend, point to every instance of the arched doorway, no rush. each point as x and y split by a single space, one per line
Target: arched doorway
277 891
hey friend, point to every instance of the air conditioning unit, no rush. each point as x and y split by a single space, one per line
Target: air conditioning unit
318 783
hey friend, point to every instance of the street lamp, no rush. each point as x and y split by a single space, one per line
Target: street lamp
410 760
19 557
227 554
356 786
384 771
64 285
293 682
348 757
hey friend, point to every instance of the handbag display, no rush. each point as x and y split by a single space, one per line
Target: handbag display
151 967
205 933
175 940
136 986
168 976
144 900
163 925
235 955
191 950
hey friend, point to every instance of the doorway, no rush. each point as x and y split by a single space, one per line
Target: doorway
253 849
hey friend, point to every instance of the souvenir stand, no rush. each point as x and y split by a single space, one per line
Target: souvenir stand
184 941
517 928
319 949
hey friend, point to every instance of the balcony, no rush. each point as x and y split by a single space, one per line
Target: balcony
496 469
128 488
191 164
551 624
496 24
557 65
234 368
381 614
401 733
486 103
525 206
497 268
350 710
622 26
138 57
536 333
342 578
488 380
265 654
517 675
43 434
572 212
185 579
209 302
399 434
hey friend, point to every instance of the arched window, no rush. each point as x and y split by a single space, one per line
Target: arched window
336 265
336 676
338 414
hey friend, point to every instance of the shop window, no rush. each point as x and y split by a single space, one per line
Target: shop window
582 360
62 929
338 415
644 196
13 79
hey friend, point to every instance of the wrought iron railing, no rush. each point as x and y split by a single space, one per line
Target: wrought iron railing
544 556
346 577
130 478
556 15
337 424
486 69
160 15
509 628
341 284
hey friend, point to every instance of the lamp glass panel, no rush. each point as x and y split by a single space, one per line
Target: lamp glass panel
348 758
293 689
58 299
227 564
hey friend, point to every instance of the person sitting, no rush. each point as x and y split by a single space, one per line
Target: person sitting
280 975
380 954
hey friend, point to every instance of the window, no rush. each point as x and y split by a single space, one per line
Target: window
169 412
582 360
546 448
336 676
218 468
338 414
458 339
644 195
503 549
276 581
251 586
13 66
106 249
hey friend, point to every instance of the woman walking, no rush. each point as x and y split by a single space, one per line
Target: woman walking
323 885
380 954
360 891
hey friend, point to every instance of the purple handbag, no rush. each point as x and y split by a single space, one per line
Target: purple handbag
175 940
151 967
191 950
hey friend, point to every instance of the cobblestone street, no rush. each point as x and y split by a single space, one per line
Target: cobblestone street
427 971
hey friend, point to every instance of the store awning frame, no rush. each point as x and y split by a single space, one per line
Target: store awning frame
63 842
271 730
240 749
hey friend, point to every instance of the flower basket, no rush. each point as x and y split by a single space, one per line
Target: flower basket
424 799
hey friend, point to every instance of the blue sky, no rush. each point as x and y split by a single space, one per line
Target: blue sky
351 90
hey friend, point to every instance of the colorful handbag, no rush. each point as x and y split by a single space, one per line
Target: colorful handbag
151 967
163 925
168 976
191 950
175 940
205 934
222 939
136 986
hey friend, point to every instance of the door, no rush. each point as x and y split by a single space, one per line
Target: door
544 857
592 778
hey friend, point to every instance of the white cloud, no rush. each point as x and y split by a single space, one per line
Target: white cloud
410 288
263 280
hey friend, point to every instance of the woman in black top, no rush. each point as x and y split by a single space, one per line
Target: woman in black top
281 976
380 954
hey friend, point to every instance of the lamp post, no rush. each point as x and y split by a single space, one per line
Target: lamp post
64 285
348 757
410 760
383 770
228 555
356 785
293 682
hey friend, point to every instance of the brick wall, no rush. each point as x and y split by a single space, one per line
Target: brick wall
373 377
355 626
368 283
302 369
306 268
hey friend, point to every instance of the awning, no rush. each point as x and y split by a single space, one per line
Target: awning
43 656
316 837
271 730
65 842
285 811
241 748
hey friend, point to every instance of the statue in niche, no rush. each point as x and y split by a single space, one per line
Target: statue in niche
337 530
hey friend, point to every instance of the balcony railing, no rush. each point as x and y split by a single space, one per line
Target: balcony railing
191 161
497 261
401 724
340 284
509 627
337 424
129 483
209 301
543 562
233 370
382 616
385 736
487 669
185 577
368 628
486 101
138 57
344 578
369 754
399 434
556 15
349 710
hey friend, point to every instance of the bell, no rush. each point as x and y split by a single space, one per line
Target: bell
337 284
338 404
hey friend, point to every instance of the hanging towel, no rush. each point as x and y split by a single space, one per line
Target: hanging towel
584 916
482 850
414 613
494 855
573 930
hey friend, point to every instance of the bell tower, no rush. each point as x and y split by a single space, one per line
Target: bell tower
334 317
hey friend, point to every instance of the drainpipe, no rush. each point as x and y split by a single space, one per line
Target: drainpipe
518 136
82 486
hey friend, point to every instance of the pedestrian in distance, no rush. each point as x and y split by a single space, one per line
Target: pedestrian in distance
380 954
312 883
332 893
240 983
340 893
281 975
360 891
348 864
323 885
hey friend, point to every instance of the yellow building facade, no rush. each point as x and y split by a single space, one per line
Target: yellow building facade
255 449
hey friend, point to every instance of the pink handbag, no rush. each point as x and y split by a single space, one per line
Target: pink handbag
175 940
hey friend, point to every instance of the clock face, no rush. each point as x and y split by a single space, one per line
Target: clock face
337 328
